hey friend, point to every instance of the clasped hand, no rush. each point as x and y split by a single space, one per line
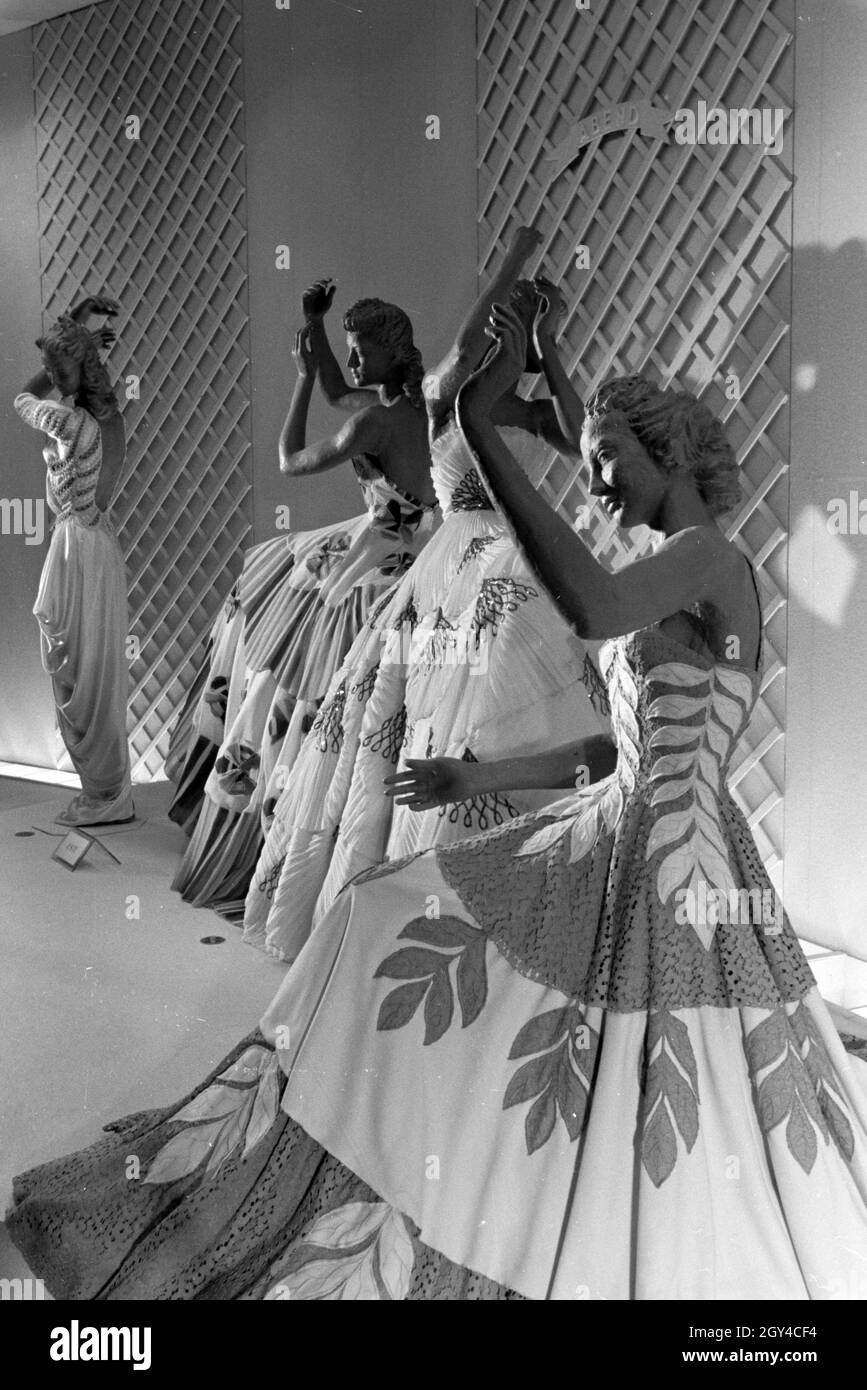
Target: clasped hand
304 353
504 365
94 304
317 299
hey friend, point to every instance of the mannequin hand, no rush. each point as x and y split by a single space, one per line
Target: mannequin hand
524 241
429 782
317 300
94 304
551 310
101 304
304 354
504 365
104 337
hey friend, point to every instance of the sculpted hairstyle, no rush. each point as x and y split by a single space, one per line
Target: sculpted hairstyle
71 340
678 432
390 327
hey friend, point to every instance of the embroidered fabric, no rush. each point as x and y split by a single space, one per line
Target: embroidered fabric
470 495
465 653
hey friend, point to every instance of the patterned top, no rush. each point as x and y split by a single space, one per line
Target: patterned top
73 455
455 477
392 511
657 855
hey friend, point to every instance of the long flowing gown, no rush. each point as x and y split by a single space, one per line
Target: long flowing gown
291 617
465 658
81 608
533 1064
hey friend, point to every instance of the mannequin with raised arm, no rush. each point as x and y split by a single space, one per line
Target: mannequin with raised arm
468 662
81 606
302 597
523 1065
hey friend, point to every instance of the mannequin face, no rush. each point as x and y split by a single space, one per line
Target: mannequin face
631 487
65 374
368 362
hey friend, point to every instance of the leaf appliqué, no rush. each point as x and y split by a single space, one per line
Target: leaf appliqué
428 969
668 1077
559 1080
691 836
583 817
799 1085
236 1111
361 1252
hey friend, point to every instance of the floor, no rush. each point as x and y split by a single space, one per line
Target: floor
111 1000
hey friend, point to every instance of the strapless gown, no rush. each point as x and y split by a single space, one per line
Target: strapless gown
292 615
581 1057
465 658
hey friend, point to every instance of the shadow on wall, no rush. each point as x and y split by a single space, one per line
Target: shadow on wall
828 462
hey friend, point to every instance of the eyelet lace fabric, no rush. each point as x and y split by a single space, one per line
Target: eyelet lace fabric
94 1228
585 900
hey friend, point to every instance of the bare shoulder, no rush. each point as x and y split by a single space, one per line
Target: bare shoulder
368 425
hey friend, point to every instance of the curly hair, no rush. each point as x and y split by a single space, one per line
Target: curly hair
71 340
679 433
391 328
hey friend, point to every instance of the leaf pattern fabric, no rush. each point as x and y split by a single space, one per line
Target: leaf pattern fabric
559 1078
428 968
360 1251
668 1080
234 1113
703 727
795 1085
546 1075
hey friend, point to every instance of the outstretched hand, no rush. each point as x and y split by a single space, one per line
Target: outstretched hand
429 782
317 299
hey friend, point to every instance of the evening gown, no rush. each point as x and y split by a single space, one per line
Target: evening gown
81 608
287 625
467 658
520 1066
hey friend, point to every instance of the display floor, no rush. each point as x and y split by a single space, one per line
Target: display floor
109 1000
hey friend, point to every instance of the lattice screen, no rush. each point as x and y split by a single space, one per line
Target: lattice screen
159 222
689 273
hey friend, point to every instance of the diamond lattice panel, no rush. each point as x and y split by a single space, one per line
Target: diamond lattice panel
159 223
688 245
